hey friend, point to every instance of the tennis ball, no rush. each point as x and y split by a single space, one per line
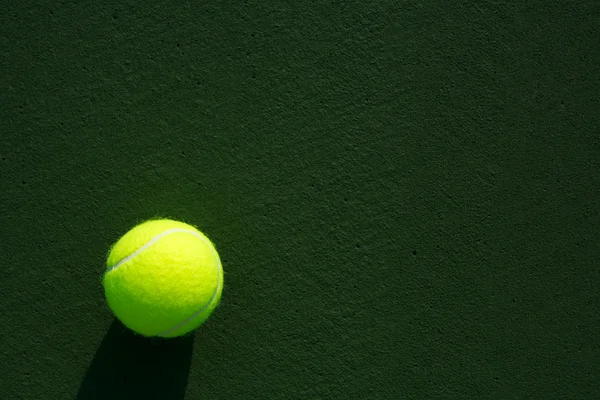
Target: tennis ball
163 278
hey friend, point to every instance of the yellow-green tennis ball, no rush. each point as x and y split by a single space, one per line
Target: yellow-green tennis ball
163 278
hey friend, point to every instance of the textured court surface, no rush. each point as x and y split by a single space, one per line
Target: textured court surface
404 195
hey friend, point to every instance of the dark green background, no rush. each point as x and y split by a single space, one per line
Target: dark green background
404 195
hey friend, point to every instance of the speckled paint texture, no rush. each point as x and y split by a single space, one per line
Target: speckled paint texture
404 195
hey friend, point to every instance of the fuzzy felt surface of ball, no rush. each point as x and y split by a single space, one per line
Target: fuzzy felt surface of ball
163 278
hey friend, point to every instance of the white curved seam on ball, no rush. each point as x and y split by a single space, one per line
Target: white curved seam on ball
204 307
150 243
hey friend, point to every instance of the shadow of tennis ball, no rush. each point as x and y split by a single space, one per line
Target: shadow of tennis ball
129 366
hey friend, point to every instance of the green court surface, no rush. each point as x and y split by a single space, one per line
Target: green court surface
404 194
